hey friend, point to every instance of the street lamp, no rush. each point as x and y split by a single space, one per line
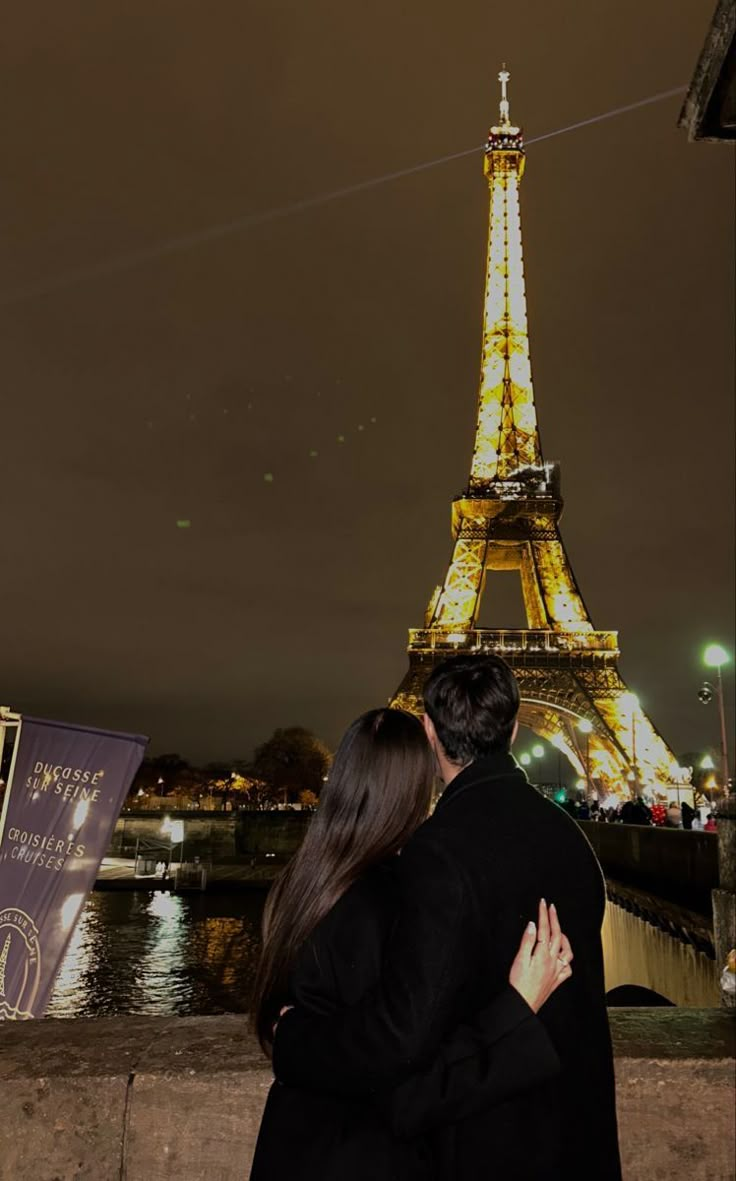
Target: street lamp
715 657
538 751
585 726
525 759
679 776
707 764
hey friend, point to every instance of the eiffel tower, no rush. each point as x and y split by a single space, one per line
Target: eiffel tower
508 519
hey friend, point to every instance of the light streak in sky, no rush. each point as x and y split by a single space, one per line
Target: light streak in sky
146 254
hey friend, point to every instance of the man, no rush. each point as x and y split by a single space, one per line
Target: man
470 879
636 812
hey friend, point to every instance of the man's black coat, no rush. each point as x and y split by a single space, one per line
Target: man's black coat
470 878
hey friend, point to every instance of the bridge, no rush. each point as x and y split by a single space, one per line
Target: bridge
670 921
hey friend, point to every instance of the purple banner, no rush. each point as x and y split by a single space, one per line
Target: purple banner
66 793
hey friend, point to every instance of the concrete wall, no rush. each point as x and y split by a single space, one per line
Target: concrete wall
217 836
161 1099
678 866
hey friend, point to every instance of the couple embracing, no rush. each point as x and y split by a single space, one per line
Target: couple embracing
431 989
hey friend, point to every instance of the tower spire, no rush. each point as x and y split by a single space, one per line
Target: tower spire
503 78
507 439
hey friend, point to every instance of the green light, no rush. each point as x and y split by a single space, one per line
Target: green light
560 795
714 656
525 759
538 751
706 763
183 524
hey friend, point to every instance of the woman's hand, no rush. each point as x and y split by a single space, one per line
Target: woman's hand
274 1027
543 960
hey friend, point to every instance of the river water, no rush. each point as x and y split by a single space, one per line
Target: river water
160 953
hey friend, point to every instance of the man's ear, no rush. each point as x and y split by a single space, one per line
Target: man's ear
515 731
429 730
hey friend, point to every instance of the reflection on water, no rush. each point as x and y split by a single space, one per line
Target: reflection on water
138 952
637 953
171 954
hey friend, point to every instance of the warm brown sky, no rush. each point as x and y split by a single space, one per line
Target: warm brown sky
168 390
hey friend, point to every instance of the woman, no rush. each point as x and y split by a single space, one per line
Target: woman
325 924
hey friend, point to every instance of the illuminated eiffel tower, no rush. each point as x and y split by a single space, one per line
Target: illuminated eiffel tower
508 519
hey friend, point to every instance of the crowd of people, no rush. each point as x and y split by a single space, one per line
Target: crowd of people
639 812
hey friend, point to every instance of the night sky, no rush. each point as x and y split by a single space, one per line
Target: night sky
194 384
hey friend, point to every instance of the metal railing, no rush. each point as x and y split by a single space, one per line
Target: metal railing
533 640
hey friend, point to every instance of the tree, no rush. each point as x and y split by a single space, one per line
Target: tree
161 776
259 796
235 782
166 770
292 760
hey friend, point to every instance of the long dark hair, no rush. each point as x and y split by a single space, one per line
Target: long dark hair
377 793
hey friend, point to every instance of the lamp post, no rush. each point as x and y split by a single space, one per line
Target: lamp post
585 726
707 764
538 753
679 778
715 657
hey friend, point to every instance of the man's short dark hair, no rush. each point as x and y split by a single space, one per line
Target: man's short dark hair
472 702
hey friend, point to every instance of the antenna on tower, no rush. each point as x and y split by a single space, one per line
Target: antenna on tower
503 77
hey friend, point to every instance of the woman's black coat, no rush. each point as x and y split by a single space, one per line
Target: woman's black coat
306 1136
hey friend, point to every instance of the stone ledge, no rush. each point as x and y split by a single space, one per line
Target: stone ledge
673 1034
158 1099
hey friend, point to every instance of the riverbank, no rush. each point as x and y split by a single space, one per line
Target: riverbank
118 873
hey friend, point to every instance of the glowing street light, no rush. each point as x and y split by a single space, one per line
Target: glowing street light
525 759
679 776
715 656
707 764
710 786
538 751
